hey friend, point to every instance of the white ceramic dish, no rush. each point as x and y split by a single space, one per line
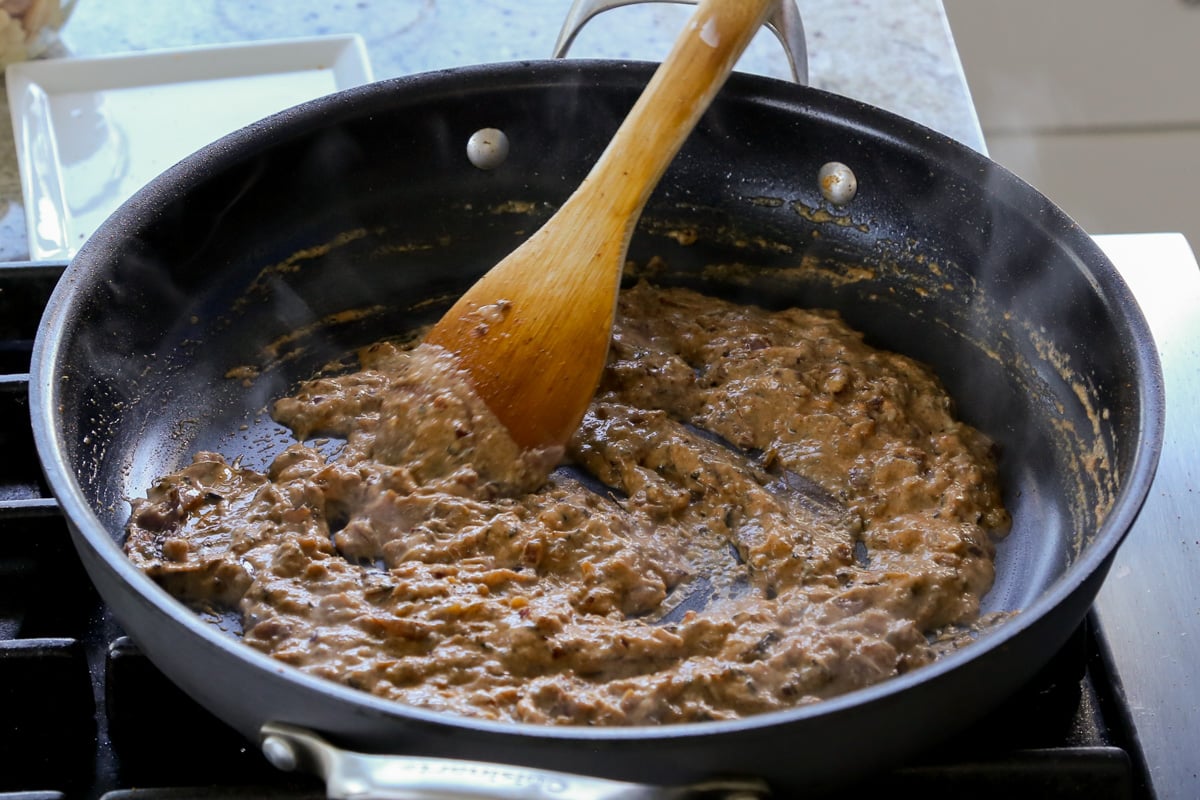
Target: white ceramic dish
90 132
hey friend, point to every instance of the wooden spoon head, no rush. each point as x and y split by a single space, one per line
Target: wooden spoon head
537 384
534 339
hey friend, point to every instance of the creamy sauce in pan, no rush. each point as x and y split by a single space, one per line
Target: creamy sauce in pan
775 513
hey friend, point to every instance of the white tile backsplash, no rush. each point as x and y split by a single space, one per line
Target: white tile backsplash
1095 102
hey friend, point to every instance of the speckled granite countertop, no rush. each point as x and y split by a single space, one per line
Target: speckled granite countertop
895 54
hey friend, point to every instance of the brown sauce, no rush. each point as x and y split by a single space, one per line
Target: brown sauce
786 514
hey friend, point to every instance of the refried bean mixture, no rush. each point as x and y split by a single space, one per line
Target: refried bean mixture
760 511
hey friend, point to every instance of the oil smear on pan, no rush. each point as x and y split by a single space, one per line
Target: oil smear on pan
689 233
261 286
290 345
294 343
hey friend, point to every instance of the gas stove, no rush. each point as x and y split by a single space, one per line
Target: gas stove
84 714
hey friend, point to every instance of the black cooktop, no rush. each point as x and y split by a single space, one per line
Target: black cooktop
84 714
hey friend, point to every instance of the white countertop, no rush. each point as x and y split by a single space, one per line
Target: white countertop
895 54
1149 605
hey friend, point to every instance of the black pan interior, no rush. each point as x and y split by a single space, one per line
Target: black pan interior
227 281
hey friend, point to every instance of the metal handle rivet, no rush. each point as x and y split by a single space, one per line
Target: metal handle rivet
838 183
280 753
487 148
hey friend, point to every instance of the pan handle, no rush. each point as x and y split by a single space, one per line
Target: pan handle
784 22
358 775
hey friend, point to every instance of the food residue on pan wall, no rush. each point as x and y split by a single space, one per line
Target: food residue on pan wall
400 248
687 234
824 216
1094 496
290 345
517 207
260 286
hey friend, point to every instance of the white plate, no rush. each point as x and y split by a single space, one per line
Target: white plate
92 131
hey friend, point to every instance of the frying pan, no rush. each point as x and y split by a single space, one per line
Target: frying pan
247 267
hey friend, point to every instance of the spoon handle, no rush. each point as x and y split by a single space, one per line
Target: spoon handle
533 332
672 103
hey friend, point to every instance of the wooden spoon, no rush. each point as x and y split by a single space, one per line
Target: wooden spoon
533 333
